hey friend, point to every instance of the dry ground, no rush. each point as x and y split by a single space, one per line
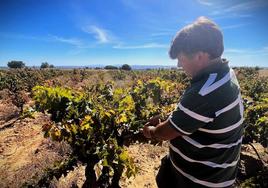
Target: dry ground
264 72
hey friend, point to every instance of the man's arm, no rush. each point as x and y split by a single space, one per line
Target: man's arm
163 131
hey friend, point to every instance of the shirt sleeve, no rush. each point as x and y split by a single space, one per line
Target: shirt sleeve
191 113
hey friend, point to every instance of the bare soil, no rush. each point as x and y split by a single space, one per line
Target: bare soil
24 152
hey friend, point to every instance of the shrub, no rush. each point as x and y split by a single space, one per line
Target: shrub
16 64
126 67
110 67
46 65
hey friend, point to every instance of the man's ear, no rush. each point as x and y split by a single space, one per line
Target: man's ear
197 57
202 57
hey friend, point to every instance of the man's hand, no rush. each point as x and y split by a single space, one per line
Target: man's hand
154 121
148 131
150 125
163 131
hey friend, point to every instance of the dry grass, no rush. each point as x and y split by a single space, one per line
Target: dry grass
263 72
25 153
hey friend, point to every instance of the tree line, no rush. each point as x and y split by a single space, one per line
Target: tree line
21 64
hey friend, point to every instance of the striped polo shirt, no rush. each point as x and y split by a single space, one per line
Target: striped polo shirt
209 117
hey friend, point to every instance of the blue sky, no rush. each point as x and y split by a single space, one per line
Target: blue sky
137 32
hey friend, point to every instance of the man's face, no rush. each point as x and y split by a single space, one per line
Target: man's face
187 63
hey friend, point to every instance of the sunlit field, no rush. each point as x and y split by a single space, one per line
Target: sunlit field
66 128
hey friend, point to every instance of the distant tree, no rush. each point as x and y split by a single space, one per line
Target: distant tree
257 68
16 64
110 67
44 65
126 67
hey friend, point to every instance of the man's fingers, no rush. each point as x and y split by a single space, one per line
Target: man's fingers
155 120
145 131
147 124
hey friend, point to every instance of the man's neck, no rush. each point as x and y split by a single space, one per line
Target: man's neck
206 64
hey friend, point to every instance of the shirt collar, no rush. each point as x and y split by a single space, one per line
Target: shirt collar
217 64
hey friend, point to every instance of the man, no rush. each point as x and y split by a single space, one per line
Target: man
205 130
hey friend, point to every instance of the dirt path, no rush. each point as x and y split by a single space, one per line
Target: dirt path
25 153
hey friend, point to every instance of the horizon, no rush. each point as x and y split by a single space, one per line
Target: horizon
135 32
134 67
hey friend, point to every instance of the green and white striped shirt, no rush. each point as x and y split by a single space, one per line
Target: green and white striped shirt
209 116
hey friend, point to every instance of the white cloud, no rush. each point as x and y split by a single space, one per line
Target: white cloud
131 4
234 26
76 42
265 48
71 41
248 5
247 52
233 8
247 56
50 38
100 34
205 2
236 51
161 34
231 15
144 46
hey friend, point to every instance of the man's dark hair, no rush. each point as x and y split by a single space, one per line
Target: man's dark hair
202 35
